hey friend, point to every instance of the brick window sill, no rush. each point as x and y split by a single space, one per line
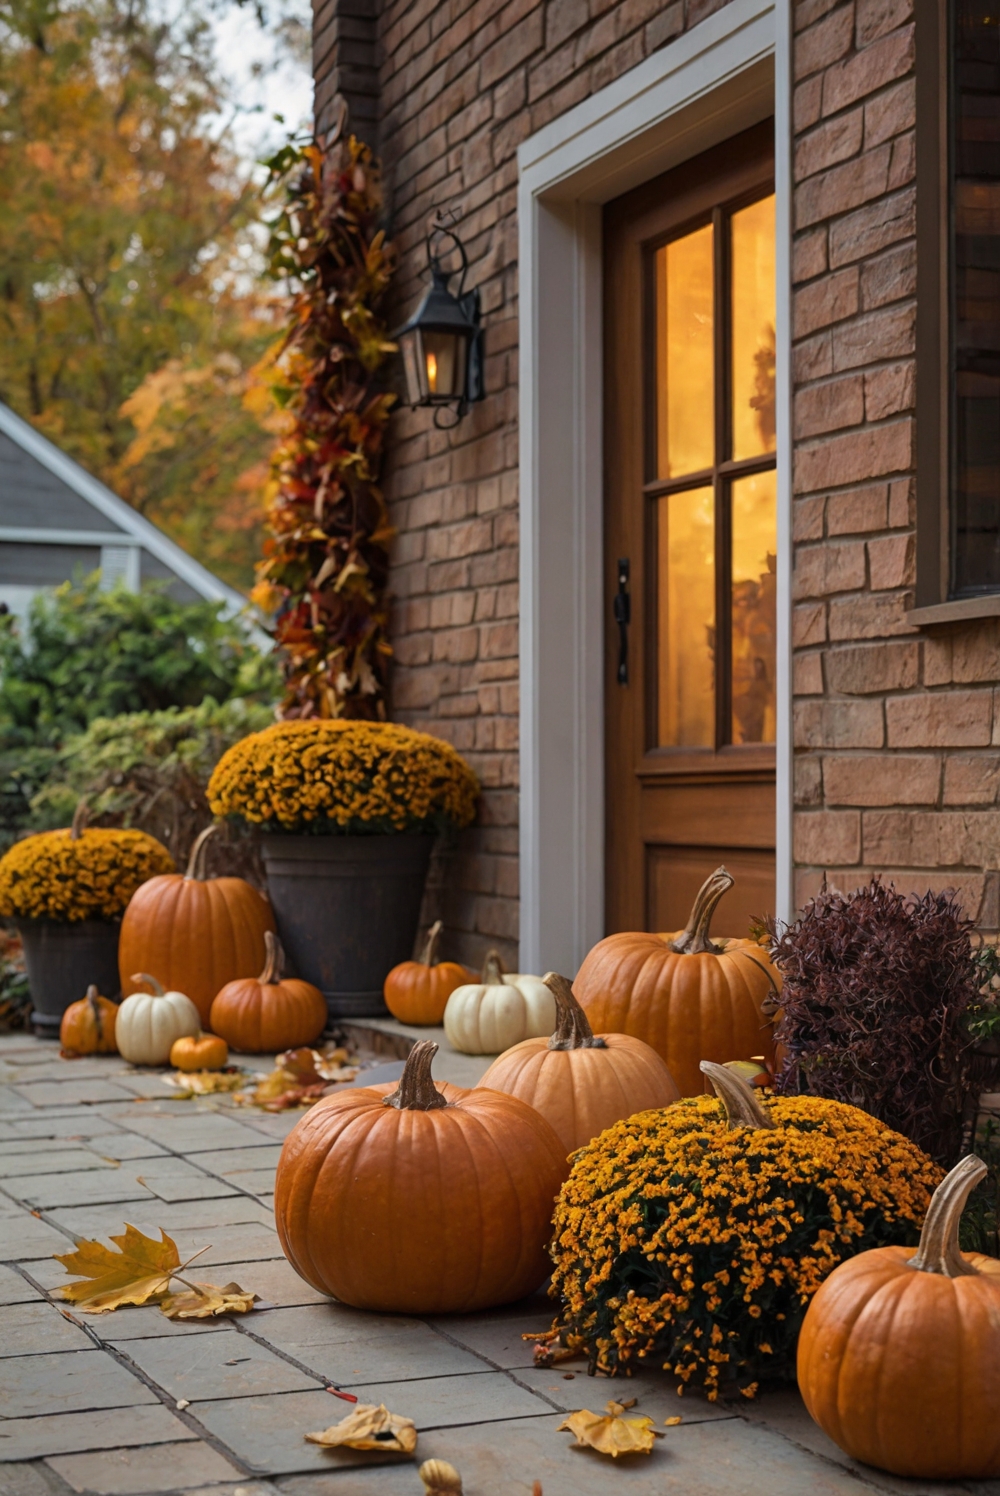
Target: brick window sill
957 610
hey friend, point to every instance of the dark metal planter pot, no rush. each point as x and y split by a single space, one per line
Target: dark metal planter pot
62 960
347 909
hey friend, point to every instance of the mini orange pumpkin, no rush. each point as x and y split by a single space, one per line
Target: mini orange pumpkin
88 1026
692 999
418 991
422 1201
580 1083
195 932
899 1353
260 1015
199 1052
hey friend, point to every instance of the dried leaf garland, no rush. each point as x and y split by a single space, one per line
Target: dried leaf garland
369 1427
141 1272
612 1433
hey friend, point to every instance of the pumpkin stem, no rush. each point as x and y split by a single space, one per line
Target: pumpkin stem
416 1091
81 816
196 861
693 939
91 996
275 961
143 976
430 949
492 969
742 1107
938 1251
572 1030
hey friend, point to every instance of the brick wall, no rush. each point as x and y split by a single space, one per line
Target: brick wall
895 770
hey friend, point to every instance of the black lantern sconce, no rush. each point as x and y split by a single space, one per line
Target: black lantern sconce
442 343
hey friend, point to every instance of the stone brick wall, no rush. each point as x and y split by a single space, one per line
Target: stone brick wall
895 771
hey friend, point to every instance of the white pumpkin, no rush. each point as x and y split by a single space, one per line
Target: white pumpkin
148 1023
505 1007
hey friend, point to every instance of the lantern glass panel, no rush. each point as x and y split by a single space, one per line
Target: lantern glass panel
413 367
444 355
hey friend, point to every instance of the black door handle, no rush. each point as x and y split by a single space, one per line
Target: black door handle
623 617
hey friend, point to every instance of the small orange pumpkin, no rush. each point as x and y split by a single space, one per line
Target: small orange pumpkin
199 1052
260 1015
418 991
899 1353
580 1083
88 1026
689 997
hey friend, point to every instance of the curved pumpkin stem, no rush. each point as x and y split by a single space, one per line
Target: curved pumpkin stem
938 1251
492 970
416 1091
143 976
742 1107
572 1030
91 996
274 963
81 816
196 862
693 939
430 949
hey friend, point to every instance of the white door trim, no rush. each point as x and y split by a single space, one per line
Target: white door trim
720 77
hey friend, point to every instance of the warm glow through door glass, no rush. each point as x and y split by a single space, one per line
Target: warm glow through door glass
753 311
685 395
686 621
754 611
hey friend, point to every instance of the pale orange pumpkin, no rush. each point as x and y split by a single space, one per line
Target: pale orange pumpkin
418 991
899 1353
88 1026
581 1083
260 1015
196 933
688 996
199 1052
420 1201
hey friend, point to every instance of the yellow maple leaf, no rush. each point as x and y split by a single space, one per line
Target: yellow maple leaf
188 1083
369 1427
612 1433
204 1300
141 1270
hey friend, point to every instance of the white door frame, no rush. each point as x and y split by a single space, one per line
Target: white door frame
717 79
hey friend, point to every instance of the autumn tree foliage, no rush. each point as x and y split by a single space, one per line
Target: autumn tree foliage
325 564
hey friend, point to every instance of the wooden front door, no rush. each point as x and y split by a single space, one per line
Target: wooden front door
690 506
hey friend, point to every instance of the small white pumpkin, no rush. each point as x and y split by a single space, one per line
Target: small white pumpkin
487 1017
148 1023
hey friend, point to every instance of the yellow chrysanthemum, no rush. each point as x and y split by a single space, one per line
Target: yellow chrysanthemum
344 776
55 875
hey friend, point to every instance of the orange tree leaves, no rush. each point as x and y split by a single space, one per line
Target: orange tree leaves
325 565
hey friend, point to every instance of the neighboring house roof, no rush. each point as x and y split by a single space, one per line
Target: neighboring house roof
48 500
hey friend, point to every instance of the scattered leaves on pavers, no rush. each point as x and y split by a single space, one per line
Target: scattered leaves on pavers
549 1347
190 1083
204 1300
440 1478
672 1422
369 1427
612 1433
140 1271
300 1077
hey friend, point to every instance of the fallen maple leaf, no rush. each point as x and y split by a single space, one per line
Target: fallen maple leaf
140 1271
612 1433
369 1427
204 1300
203 1082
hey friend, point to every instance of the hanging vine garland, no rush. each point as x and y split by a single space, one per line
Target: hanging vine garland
323 576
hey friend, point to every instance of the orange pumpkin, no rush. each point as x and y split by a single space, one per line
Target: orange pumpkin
689 997
899 1353
260 1015
418 991
421 1201
199 1052
88 1026
579 1083
196 933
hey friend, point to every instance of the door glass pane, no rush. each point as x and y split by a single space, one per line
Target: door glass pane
686 619
753 314
754 610
685 394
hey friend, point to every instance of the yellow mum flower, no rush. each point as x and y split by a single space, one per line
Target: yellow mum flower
53 875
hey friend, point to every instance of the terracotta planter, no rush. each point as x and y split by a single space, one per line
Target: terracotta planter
347 909
62 960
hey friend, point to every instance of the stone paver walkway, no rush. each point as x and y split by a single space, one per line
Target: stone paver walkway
129 1402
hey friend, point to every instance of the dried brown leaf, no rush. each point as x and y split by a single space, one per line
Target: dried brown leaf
369 1427
203 1082
204 1301
611 1433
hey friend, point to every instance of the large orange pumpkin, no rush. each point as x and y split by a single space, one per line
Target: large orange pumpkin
580 1083
196 933
899 1354
421 1201
260 1015
418 991
88 1026
688 996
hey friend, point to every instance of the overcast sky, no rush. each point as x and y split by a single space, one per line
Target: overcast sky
266 76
